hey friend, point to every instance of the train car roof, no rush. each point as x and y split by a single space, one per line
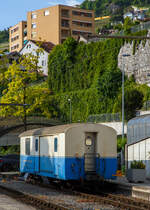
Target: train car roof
57 129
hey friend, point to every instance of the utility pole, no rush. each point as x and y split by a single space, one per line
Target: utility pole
70 110
24 108
124 55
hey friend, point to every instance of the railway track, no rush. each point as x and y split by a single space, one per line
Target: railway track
118 201
31 200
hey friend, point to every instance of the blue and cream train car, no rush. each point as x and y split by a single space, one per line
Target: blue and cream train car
70 152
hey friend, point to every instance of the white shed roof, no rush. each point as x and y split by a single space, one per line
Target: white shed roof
57 129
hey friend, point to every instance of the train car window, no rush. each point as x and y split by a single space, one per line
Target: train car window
88 141
36 145
27 146
55 144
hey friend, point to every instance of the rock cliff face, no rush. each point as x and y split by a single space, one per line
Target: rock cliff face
138 63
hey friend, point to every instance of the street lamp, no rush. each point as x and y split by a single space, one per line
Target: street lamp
124 55
70 110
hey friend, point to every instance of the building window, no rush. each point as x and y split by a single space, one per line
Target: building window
36 145
14 38
65 33
33 25
27 146
46 12
33 35
55 144
43 63
88 141
14 30
65 13
34 16
28 46
65 23
14 47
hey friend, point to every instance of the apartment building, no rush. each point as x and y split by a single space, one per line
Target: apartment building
17 36
54 24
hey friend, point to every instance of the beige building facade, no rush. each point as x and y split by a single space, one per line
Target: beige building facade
53 24
17 36
58 22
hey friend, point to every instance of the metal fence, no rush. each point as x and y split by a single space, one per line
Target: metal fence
140 27
7 122
108 117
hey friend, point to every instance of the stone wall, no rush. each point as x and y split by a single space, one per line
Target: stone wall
137 64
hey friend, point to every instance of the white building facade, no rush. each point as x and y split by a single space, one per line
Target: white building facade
33 48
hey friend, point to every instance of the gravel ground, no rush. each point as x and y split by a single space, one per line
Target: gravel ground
57 197
7 203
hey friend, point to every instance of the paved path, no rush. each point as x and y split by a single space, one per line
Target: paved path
7 203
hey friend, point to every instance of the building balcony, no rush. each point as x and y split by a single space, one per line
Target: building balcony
65 25
65 13
65 33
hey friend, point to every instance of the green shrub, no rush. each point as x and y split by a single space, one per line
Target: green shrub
137 165
123 169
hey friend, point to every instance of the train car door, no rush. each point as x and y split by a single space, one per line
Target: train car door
90 154
37 161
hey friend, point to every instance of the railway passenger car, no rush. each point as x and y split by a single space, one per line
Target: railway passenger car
70 152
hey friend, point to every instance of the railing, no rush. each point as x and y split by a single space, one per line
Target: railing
65 25
9 122
108 117
66 15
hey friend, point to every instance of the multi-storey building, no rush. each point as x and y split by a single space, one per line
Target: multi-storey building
17 36
58 22
53 24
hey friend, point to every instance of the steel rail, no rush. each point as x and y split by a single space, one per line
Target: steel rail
32 200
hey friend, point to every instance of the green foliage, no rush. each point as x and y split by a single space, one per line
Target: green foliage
121 143
4 36
123 169
112 7
3 68
133 100
128 23
137 165
16 91
86 73
15 149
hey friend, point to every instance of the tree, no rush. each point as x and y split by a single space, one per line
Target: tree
17 89
30 62
133 102
128 23
3 68
4 36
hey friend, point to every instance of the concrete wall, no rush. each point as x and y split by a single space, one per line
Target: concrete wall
117 126
10 139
